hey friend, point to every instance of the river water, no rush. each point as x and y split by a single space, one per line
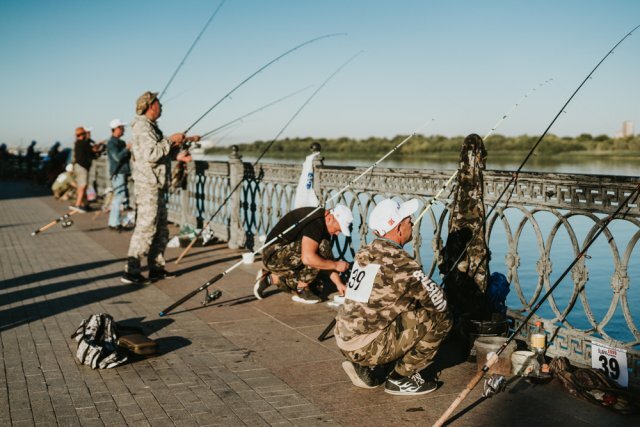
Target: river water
599 292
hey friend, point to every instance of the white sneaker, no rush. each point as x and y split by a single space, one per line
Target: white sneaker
305 296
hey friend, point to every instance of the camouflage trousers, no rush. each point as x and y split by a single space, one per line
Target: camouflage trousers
285 261
412 340
151 234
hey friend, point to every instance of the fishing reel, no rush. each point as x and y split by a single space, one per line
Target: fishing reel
209 297
207 235
65 221
494 385
189 144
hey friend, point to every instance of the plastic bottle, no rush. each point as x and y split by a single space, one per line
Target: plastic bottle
538 345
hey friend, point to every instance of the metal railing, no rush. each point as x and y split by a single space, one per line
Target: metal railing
532 238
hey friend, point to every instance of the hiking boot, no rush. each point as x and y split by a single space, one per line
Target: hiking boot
78 209
305 296
263 281
408 386
361 376
134 279
156 274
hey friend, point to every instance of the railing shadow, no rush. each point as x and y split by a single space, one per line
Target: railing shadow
17 316
56 272
42 290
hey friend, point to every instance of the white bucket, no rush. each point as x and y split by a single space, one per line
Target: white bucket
485 346
248 258
523 362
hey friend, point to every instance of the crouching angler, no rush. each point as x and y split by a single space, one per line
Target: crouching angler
393 314
294 260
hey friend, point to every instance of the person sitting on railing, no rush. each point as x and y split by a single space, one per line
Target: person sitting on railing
294 261
393 313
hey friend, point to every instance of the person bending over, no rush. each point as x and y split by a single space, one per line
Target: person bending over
295 259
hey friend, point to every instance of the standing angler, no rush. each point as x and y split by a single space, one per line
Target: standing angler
119 154
151 162
393 312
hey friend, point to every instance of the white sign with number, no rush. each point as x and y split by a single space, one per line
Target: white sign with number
360 282
613 361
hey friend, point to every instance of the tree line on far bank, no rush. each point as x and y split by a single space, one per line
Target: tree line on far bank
421 145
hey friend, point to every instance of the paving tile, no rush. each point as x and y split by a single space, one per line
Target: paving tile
237 361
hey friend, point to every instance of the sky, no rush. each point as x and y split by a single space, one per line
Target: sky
459 65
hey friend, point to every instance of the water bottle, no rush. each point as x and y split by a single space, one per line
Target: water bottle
538 345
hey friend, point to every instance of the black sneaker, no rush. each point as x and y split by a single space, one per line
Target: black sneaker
305 296
263 281
160 274
408 386
134 279
361 376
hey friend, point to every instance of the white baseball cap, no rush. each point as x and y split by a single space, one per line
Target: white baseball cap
88 129
115 123
388 214
343 215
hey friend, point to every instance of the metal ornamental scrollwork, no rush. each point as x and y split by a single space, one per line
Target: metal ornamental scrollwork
553 213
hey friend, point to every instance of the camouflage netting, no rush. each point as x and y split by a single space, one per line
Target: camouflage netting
467 283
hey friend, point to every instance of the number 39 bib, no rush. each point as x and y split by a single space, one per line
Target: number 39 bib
360 282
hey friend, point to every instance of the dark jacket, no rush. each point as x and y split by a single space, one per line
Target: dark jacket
119 156
83 154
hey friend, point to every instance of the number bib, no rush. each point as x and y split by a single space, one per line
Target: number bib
611 360
360 282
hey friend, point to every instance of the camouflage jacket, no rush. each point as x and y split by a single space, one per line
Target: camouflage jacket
151 151
399 286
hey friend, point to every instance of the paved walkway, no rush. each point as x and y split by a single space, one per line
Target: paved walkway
237 361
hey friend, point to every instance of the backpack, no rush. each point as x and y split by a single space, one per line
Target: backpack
97 339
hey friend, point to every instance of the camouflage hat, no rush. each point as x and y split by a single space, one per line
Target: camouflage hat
144 101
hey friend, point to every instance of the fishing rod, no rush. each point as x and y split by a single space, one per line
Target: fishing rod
178 173
229 123
514 177
64 220
492 360
190 49
493 129
257 72
331 324
193 241
256 252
